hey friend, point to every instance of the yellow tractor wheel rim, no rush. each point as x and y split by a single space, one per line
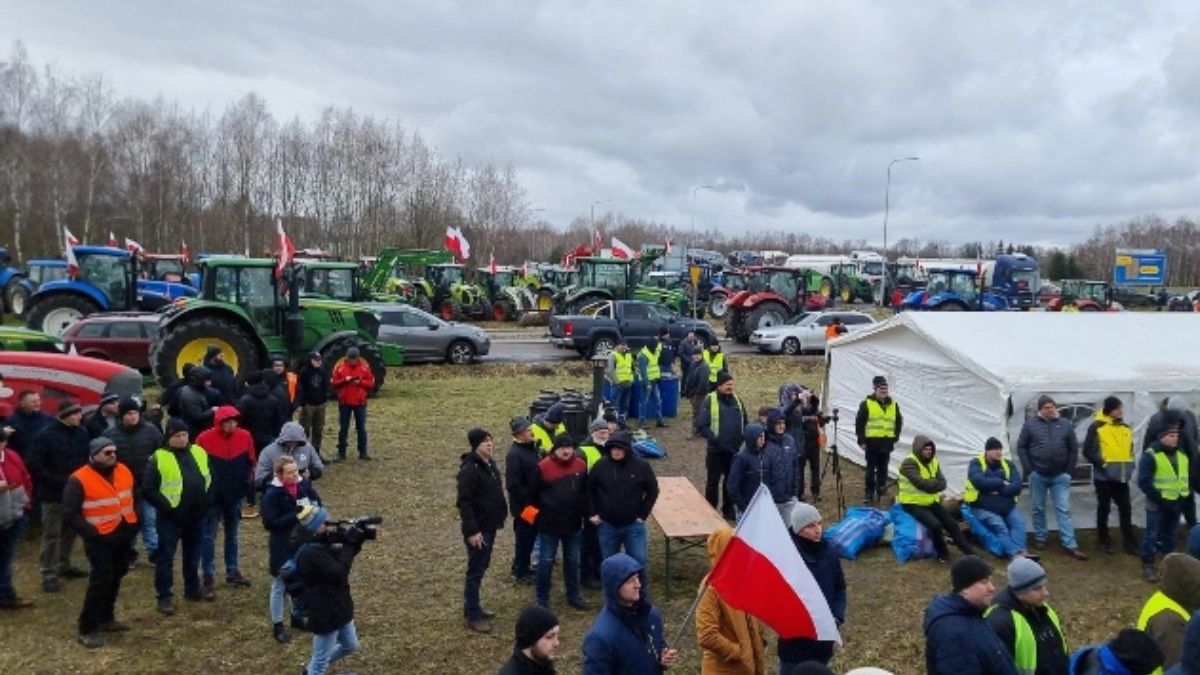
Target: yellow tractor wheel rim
826 288
846 295
544 303
193 352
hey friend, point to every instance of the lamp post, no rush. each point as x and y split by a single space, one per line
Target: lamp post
593 220
887 193
692 234
533 234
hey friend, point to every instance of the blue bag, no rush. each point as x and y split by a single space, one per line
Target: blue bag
861 528
649 448
910 539
990 541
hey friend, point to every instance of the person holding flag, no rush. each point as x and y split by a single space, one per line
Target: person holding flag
627 636
732 641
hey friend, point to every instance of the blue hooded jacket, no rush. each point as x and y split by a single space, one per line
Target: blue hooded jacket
996 493
746 472
959 641
1189 664
623 640
782 466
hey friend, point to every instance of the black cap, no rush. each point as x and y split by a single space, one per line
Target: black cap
67 407
723 377
879 381
127 405
619 439
968 571
518 424
993 443
1137 651
175 425
563 441
534 622
109 397
477 436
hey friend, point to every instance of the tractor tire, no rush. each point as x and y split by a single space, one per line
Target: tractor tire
766 315
717 307
55 313
16 299
449 310
580 303
422 303
335 352
733 319
460 353
503 310
791 346
186 342
1089 307
826 288
846 295
950 307
545 301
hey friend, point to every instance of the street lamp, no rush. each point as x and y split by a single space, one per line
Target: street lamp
533 234
887 192
593 220
692 235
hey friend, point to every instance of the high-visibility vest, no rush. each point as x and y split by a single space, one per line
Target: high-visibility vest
652 370
881 421
541 439
1116 442
623 367
1025 643
715 364
909 494
591 453
106 504
831 331
970 494
171 485
1159 602
293 384
1171 484
714 411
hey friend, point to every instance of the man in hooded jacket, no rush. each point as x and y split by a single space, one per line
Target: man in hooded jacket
224 380
1169 609
622 490
627 636
746 472
1131 652
260 410
958 640
193 403
1162 477
921 483
782 469
1177 410
291 443
231 459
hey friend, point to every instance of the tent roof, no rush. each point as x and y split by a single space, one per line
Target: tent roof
1048 351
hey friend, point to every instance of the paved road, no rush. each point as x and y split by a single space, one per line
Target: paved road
530 346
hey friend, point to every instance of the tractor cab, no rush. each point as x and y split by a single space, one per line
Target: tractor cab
1084 295
333 280
163 267
106 281
452 296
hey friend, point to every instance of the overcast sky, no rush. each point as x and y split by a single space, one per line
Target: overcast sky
1033 121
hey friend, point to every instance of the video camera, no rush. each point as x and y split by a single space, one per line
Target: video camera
826 419
353 531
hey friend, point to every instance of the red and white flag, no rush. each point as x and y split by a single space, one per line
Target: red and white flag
132 246
667 248
183 250
762 574
620 250
597 242
525 273
492 263
112 239
72 263
287 250
457 243
69 238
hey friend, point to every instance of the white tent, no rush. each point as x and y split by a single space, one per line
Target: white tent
961 377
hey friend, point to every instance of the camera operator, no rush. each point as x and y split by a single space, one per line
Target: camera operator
804 422
323 565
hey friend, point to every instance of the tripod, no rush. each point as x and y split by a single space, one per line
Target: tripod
833 460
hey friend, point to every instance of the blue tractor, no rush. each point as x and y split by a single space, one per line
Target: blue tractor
10 277
23 285
108 281
954 290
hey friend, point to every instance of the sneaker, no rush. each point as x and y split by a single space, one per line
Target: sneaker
249 511
282 636
580 604
1076 554
166 606
51 586
236 579
1149 573
487 614
480 625
526 580
115 626
16 603
365 457
91 640
73 572
207 594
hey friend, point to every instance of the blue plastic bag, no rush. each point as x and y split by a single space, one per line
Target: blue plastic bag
910 539
862 528
649 449
989 539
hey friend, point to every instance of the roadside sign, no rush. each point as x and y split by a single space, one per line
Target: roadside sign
1140 266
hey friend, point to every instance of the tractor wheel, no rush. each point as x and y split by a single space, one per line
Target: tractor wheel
766 315
717 306
422 303
335 353
950 307
791 346
1089 307
545 301
733 319
579 304
502 310
826 288
460 353
846 295
55 313
603 346
449 310
187 341
17 299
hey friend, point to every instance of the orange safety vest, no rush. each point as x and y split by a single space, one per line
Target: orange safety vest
831 332
105 504
292 383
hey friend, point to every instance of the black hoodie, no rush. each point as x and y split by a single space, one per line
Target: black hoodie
621 492
481 505
260 414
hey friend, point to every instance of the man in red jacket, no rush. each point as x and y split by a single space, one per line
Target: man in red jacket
231 461
353 380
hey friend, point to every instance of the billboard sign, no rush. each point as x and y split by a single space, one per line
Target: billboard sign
1140 266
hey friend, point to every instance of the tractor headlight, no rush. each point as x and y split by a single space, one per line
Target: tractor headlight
368 323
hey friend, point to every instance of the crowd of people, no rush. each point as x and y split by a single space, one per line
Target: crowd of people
174 474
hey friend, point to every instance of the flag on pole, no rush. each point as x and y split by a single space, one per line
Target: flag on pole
492 263
620 249
667 248
762 574
183 250
287 251
597 242
69 238
456 243
69 244
132 246
112 239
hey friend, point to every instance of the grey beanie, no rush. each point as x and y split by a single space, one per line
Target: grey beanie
598 425
1025 575
99 444
1043 400
803 515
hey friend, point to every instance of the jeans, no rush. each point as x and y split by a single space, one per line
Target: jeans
623 394
935 519
651 403
1108 492
360 425
278 594
229 514
147 523
9 538
1060 493
1010 529
170 533
1161 525
478 560
717 465
312 418
631 538
589 552
526 536
109 558
697 402
811 458
57 541
547 551
877 473
331 647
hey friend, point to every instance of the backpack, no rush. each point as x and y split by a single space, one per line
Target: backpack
293 583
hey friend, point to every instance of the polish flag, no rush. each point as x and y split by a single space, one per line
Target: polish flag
183 249
620 250
69 238
492 263
287 250
667 248
597 242
762 574
112 239
72 263
457 243
132 246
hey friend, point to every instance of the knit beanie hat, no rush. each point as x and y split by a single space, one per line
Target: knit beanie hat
723 377
127 405
803 515
175 425
1043 400
563 441
1111 403
1025 575
1171 423
1135 650
534 622
98 444
968 571
518 424
68 407
554 414
598 425
312 517
879 381
993 443
476 437
109 397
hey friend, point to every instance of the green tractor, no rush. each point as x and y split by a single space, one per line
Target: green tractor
550 280
395 275
450 295
616 279
333 281
508 292
849 286
244 309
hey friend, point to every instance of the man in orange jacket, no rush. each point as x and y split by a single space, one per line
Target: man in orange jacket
353 381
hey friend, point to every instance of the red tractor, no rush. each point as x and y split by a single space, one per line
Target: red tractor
1081 295
772 296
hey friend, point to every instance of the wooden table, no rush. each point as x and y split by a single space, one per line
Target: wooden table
683 515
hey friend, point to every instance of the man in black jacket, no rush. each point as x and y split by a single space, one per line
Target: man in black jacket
722 421
324 568
520 479
877 427
224 380
105 417
536 646
311 396
57 451
260 411
622 489
695 386
136 439
481 507
26 421
193 404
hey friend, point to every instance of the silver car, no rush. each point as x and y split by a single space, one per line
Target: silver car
427 338
806 333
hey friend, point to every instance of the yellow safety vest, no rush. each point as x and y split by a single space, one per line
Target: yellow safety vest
653 373
1025 643
715 364
541 439
171 485
1159 602
909 494
1115 440
1171 484
591 453
881 421
623 367
970 494
714 411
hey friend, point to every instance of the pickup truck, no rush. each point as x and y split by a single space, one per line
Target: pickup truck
597 330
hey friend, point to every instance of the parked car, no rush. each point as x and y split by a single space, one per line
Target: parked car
806 333
1133 298
427 338
597 330
120 337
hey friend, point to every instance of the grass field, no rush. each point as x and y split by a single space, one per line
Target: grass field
407 585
